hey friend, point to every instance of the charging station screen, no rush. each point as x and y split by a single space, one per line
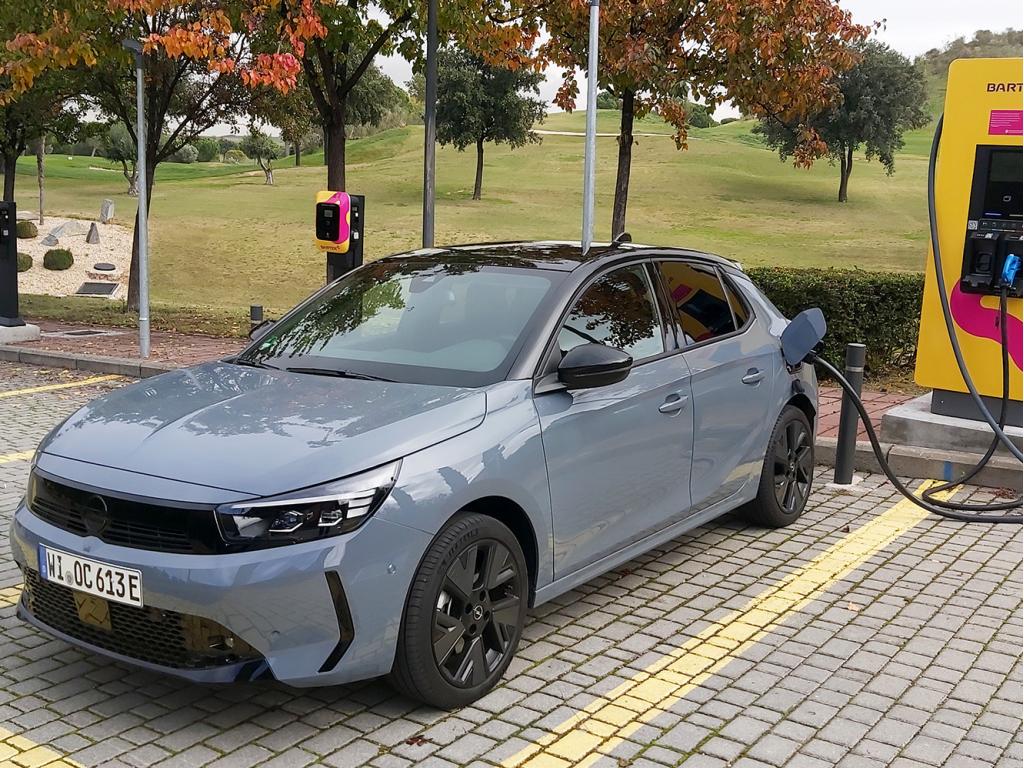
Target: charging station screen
1003 192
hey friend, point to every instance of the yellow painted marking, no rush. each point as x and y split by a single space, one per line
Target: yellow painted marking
10 596
63 385
669 679
19 752
7 458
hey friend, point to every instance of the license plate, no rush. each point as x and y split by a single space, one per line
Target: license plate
122 585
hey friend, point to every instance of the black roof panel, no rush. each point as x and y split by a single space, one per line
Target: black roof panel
563 256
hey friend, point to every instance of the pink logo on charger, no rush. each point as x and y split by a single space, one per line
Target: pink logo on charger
1005 122
983 322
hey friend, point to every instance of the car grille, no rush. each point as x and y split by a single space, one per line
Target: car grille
123 522
156 636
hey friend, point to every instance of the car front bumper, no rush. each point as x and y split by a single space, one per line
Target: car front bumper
280 601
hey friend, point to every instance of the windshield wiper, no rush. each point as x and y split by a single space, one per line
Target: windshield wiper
338 373
255 364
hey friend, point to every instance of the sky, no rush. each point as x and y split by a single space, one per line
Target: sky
911 27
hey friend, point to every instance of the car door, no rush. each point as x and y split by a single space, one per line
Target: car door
618 456
730 358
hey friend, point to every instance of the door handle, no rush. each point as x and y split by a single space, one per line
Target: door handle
753 376
673 404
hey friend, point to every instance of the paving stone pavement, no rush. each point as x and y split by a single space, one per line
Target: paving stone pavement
911 659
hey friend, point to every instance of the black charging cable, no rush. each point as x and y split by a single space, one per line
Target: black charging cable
968 513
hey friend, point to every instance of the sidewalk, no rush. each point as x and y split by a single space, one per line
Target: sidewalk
176 350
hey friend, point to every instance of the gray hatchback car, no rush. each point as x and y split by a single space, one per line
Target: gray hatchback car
385 480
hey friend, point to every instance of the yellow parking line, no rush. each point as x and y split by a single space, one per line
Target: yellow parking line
10 596
64 385
612 718
19 751
7 458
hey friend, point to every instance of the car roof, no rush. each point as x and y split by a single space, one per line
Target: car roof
560 255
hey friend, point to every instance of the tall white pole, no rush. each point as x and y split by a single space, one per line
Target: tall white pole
143 224
430 126
590 150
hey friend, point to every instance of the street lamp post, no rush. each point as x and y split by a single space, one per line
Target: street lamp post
590 150
142 226
430 126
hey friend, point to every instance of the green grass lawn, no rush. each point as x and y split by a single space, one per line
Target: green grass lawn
222 239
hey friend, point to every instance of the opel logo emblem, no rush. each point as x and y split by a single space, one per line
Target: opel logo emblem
96 515
478 612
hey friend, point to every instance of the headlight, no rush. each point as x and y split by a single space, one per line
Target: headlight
313 513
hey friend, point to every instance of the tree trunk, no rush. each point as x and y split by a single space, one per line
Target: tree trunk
625 159
845 168
268 176
478 184
133 274
335 155
10 169
41 175
298 155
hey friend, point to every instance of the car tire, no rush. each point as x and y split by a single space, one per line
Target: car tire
464 614
787 473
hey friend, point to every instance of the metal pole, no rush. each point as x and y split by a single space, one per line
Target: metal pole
846 444
590 150
430 126
143 222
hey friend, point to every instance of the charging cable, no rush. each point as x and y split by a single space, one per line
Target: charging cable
953 510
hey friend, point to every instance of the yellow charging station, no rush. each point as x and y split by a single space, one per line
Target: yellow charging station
978 212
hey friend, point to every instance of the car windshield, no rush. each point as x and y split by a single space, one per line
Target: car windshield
458 324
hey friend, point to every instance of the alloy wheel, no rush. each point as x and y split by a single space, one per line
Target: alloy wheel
477 613
793 467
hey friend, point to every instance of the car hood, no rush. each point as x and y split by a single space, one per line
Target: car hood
261 432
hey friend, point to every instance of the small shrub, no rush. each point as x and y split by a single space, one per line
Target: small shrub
24 262
58 259
235 157
27 229
187 154
727 120
878 309
208 148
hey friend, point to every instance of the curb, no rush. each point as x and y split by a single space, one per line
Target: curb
913 461
121 366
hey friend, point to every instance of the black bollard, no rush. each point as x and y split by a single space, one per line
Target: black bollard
846 445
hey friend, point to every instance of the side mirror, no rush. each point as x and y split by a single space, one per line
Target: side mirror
260 330
802 335
593 365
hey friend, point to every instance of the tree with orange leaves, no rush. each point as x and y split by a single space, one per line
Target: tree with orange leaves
774 60
201 59
352 33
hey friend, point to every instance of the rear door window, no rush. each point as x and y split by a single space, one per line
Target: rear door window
700 300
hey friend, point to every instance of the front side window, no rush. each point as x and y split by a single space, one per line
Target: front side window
616 310
457 324
699 298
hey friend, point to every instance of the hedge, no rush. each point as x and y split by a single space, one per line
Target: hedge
878 309
58 259
24 262
26 229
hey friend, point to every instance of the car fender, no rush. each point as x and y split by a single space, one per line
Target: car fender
503 457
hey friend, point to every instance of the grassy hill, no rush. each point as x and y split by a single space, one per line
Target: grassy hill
221 238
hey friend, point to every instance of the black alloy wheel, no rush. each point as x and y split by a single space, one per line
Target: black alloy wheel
794 467
464 614
787 472
477 612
